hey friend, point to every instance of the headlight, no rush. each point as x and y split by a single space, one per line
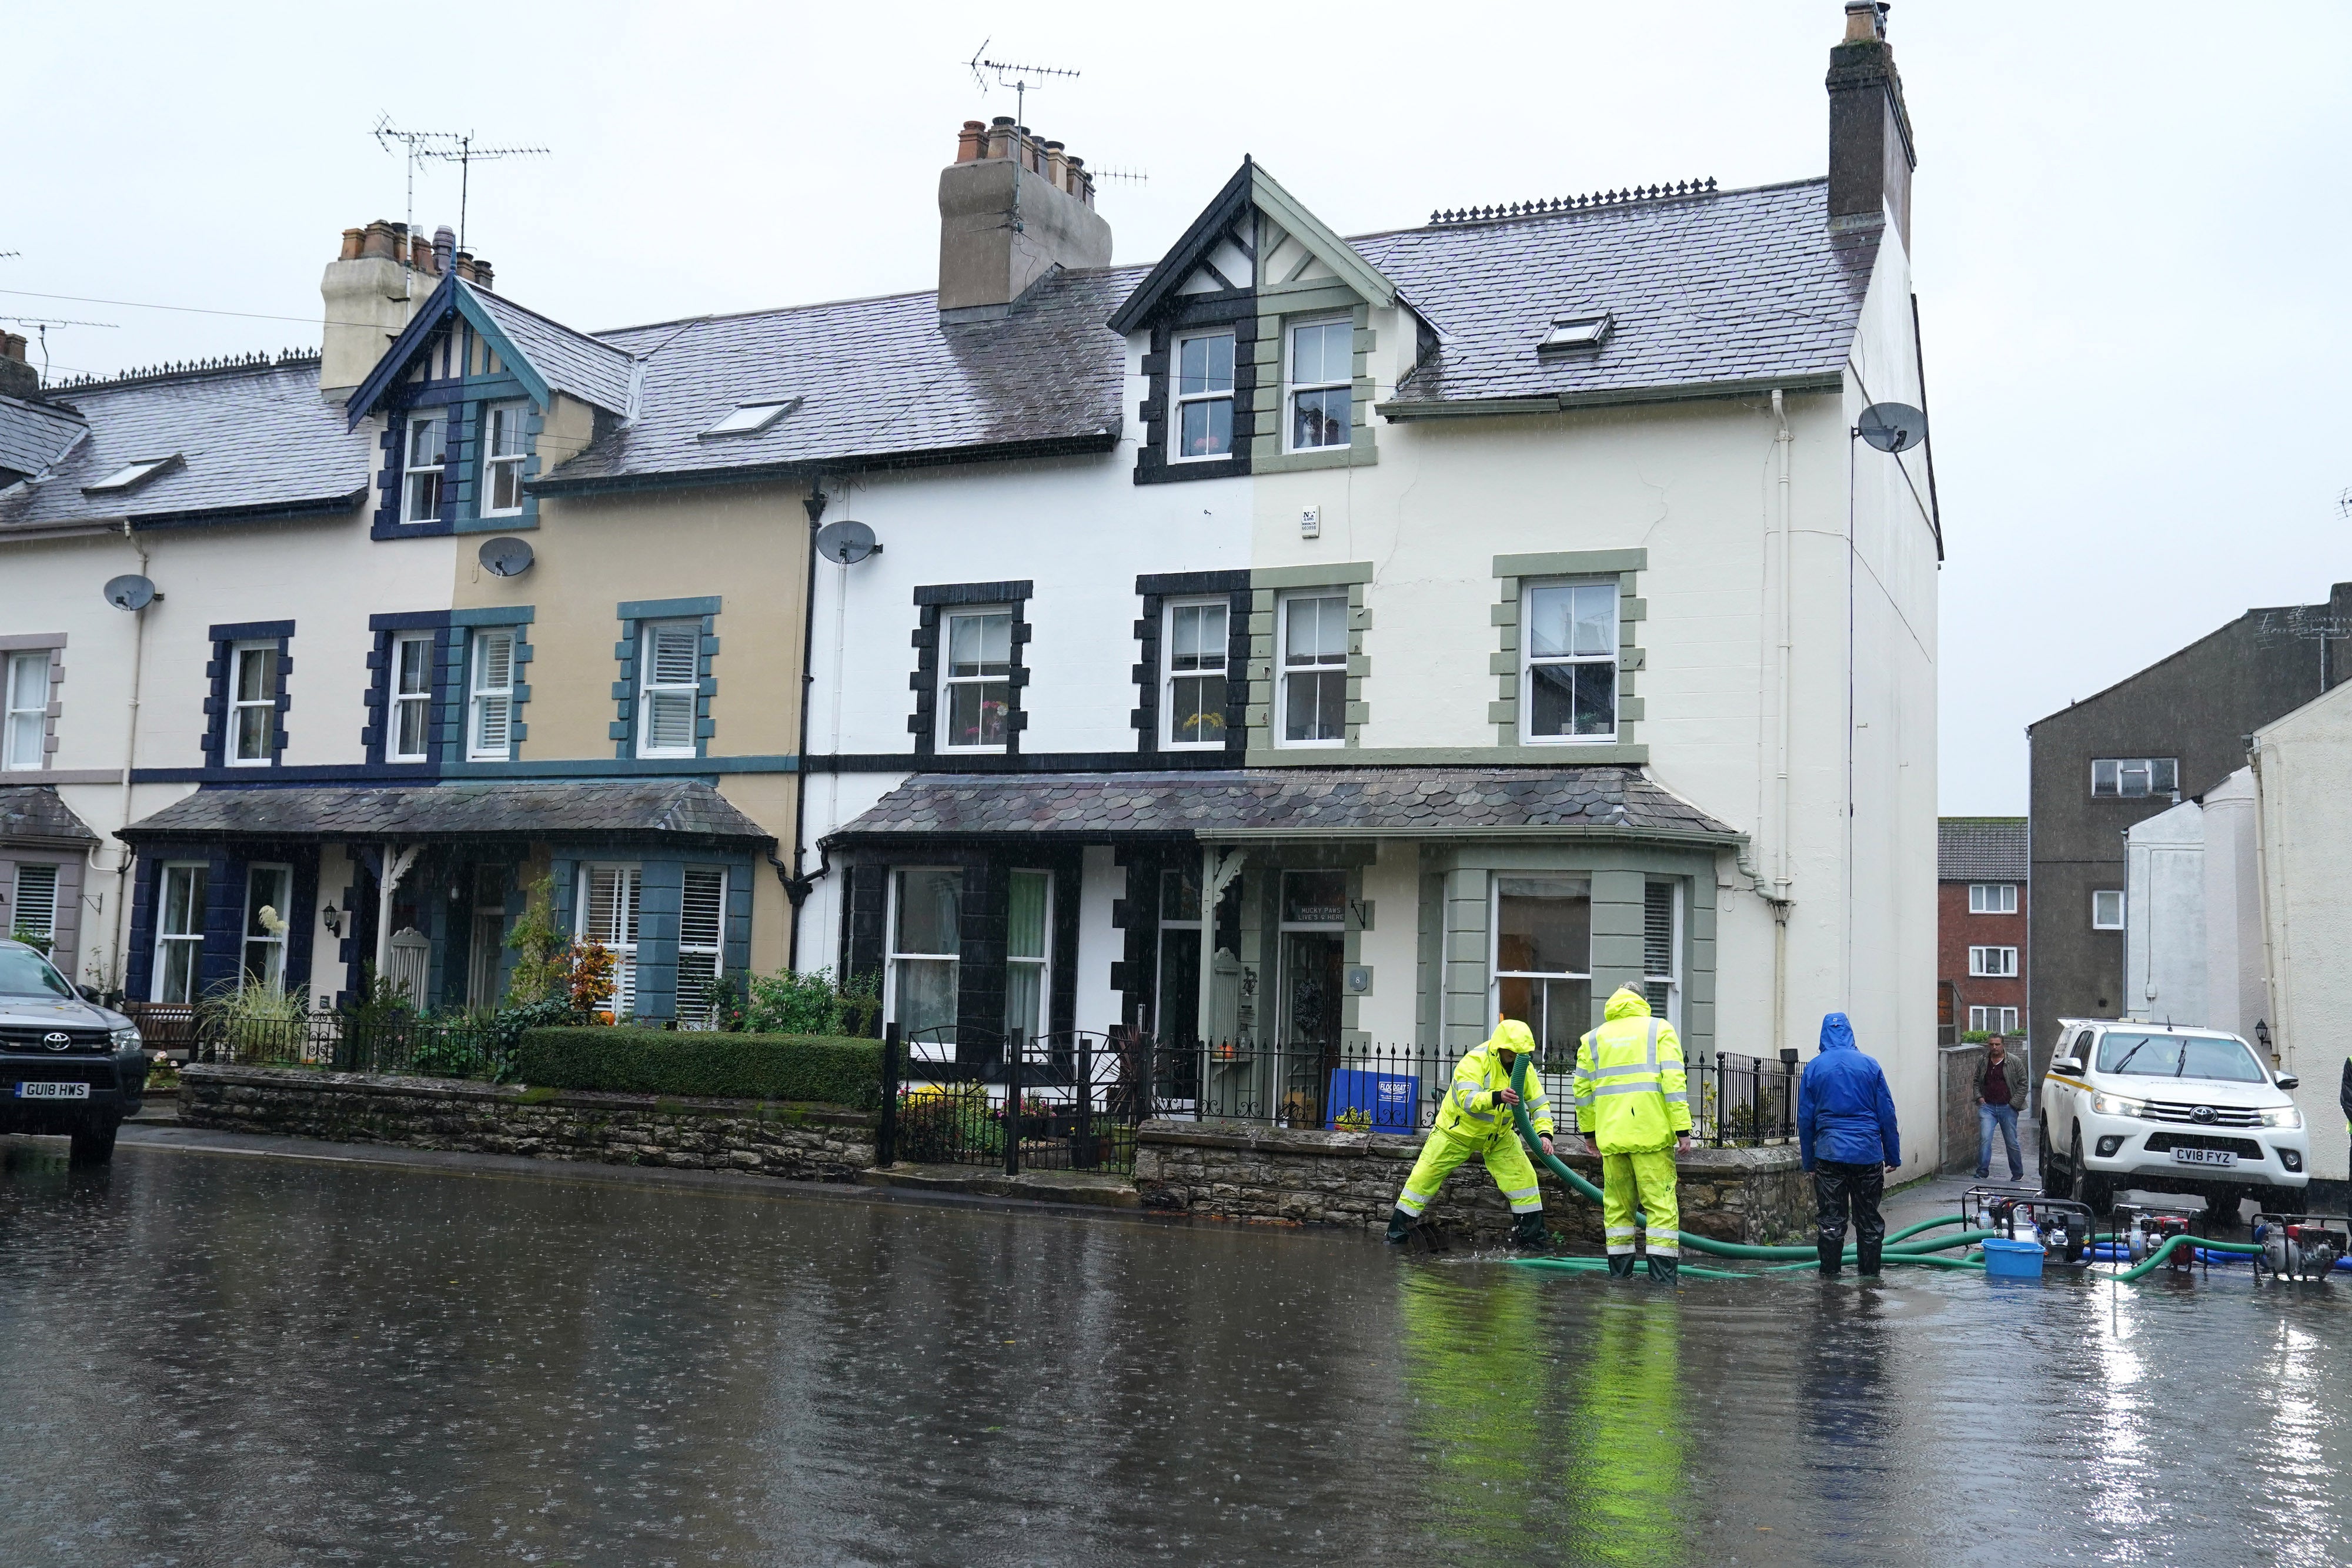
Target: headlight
127 1039
2284 1116
2117 1105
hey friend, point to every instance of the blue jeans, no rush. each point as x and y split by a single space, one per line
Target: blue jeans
2005 1118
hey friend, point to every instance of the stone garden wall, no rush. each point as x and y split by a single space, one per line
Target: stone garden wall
800 1143
1236 1171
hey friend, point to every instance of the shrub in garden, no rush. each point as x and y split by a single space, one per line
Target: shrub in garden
829 1069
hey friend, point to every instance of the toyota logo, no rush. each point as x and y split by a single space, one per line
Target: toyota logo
57 1039
2202 1113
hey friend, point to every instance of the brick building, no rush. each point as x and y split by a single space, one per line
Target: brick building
1981 873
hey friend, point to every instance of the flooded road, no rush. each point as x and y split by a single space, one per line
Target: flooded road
207 1359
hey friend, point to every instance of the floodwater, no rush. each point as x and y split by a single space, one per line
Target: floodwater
207 1359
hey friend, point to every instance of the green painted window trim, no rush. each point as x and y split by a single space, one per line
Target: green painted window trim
666 609
493 615
1572 563
1339 574
1503 712
1264 620
1289 302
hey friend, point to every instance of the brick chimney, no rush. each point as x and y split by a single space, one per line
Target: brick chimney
368 298
1011 209
1871 157
18 377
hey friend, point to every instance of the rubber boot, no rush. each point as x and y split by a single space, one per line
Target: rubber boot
1401 1226
1620 1265
1663 1269
1865 1257
1529 1234
1833 1256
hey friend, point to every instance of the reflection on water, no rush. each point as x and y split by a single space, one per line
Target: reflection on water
213 1360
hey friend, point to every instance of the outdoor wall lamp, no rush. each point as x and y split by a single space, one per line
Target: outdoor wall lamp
333 918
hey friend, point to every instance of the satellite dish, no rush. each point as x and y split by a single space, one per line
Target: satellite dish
845 543
505 556
1893 426
130 591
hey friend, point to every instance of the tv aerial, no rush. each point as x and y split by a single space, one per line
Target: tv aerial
847 542
448 146
41 325
1011 74
1893 426
130 591
505 556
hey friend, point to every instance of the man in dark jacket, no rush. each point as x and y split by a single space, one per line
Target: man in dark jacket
1845 1131
2000 1095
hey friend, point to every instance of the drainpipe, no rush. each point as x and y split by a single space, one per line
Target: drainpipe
130 755
797 885
1782 659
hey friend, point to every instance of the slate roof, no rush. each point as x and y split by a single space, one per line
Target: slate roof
880 379
35 811
590 369
1728 289
35 434
679 809
256 441
1282 800
1982 849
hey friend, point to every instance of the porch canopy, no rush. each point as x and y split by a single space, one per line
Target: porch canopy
1243 804
671 811
32 814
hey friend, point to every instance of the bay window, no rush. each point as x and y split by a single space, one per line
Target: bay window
610 896
1028 936
268 890
1543 960
701 940
926 945
179 932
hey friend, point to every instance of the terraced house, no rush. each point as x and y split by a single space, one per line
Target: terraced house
1298 638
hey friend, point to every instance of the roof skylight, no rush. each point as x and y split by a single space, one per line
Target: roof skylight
131 475
1586 329
751 418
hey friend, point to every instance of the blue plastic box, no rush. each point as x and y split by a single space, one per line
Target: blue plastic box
1393 1100
2012 1259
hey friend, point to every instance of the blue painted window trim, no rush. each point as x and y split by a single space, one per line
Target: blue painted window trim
451 727
375 732
217 672
227 868
633 613
464 399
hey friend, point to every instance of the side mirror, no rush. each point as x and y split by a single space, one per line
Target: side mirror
91 993
2288 1080
2067 1064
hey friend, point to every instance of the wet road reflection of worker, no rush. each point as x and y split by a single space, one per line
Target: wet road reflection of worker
1474 1350
1631 1482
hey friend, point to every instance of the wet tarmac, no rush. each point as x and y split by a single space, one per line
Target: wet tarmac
207 1359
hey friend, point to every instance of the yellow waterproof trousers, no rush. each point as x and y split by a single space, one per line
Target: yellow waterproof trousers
1645 1180
1506 1162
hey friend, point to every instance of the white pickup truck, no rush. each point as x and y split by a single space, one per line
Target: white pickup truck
2162 1109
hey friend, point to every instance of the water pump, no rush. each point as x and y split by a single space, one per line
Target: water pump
2147 1230
2301 1246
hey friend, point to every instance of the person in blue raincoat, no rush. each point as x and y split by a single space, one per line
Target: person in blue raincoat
1845 1129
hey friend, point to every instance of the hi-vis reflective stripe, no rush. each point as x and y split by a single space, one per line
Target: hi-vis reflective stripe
1414 1202
1527 1200
1664 1244
1622 1232
1647 1086
1679 1097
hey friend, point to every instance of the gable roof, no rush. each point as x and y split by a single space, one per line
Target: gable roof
546 356
1982 849
35 434
255 443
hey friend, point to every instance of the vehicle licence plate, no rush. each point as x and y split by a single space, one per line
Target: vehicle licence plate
32 1090
2204 1157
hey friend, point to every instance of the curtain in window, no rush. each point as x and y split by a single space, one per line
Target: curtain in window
924 948
1025 954
28 701
180 933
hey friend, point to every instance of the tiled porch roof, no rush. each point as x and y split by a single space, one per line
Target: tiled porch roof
661 808
35 811
1265 802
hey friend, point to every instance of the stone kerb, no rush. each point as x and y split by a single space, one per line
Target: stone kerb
794 1142
1278 1175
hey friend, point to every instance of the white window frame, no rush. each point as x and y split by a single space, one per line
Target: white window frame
916 1050
1282 671
1673 978
504 458
2122 909
621 933
1170 674
401 702
949 680
1292 387
2144 765
1529 663
417 482
184 873
19 718
1992 1020
1981 959
1179 400
652 689
239 704
1992 898
1034 1047
273 964
1497 974
692 946
478 694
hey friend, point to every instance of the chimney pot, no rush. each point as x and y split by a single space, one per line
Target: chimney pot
445 245
12 346
420 253
1866 20
987 260
481 273
352 240
381 242
970 141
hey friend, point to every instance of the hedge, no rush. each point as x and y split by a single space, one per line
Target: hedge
832 1070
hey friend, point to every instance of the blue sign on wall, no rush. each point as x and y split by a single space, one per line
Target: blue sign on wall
1393 1100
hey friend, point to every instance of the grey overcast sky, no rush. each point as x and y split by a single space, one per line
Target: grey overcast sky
2131 219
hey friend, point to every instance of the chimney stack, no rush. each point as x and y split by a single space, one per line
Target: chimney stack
18 379
445 246
1011 209
1870 156
368 298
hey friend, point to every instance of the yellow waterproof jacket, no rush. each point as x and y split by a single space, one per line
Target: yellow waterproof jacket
1630 1094
1474 1109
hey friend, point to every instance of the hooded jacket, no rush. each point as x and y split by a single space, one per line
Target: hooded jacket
1473 1109
1630 1096
1844 1113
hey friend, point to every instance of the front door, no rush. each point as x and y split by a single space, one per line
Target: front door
1313 949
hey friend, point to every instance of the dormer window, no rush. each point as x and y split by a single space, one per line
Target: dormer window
504 453
1588 330
751 418
1204 397
421 485
131 475
1322 378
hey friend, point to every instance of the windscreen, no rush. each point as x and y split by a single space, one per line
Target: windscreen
2180 1056
24 973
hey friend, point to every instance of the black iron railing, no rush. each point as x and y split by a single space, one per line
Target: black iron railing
1066 1101
431 1047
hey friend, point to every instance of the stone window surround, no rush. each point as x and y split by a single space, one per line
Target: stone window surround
1236 309
661 873
923 724
462 394
455 714
1512 572
633 614
447 646
1281 306
33 643
980 962
1156 590
1267 584
218 674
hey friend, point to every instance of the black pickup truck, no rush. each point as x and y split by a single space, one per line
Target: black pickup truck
67 1066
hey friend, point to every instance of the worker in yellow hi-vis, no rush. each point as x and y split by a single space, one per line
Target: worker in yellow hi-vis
1476 1121
1633 1108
